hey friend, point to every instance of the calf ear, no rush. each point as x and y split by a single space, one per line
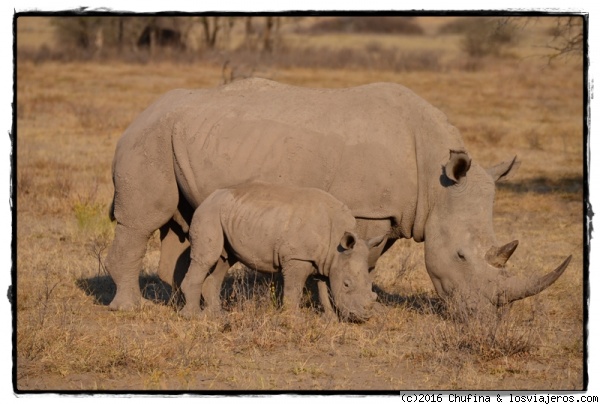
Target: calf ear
376 241
504 170
348 241
458 165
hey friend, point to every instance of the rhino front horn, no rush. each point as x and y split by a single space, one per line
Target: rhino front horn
497 256
515 289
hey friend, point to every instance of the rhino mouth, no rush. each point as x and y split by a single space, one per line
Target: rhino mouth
355 313
353 317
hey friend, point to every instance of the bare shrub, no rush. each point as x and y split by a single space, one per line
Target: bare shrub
39 307
483 36
470 64
95 119
63 184
378 58
61 54
77 32
534 139
368 24
24 181
487 133
39 55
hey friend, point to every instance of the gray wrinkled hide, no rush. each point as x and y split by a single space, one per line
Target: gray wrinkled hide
269 228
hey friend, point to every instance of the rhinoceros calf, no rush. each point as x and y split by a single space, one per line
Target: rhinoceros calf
269 228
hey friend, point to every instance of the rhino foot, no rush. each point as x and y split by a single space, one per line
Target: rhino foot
122 302
206 316
191 311
213 312
329 316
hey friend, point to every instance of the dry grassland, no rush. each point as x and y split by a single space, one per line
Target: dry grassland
69 117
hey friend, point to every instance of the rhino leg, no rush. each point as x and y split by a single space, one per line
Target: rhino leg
175 246
211 289
295 274
145 198
174 254
367 229
123 262
135 225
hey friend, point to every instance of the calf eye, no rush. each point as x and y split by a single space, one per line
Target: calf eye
346 283
461 255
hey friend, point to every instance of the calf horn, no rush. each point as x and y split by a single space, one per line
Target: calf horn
514 289
497 256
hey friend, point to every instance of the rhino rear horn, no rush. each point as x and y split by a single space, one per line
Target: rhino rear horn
504 170
497 256
516 289
376 241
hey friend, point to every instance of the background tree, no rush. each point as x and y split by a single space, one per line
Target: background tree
567 36
77 32
211 26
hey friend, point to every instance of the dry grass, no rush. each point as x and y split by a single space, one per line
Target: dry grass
69 117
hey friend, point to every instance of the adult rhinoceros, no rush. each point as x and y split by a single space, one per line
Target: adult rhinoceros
387 154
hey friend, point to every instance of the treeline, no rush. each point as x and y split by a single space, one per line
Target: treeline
135 33
482 35
260 40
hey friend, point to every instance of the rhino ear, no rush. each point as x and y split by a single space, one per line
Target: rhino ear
504 170
458 165
348 241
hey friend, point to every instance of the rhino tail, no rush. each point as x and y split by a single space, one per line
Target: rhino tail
178 218
111 211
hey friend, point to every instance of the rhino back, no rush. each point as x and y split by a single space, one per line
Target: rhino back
359 143
269 225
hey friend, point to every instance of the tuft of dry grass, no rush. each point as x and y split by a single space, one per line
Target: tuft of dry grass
486 334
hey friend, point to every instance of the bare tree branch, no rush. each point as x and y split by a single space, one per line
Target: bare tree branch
567 37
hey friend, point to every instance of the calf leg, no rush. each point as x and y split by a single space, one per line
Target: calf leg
206 237
211 289
295 274
192 286
328 311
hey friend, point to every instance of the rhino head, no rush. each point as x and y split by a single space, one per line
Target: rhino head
462 255
349 279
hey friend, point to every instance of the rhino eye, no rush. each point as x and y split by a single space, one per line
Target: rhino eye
461 255
346 283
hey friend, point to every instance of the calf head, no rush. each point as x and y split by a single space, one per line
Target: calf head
462 255
349 279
